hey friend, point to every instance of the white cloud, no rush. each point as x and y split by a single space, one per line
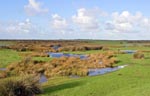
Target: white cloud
85 24
21 30
19 27
126 25
127 22
87 19
35 8
91 23
60 25
58 22
15 27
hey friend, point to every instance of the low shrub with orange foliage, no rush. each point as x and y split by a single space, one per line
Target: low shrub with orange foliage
3 74
34 54
138 55
64 66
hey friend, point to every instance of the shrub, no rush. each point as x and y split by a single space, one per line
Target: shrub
64 66
39 54
105 49
3 74
27 86
138 55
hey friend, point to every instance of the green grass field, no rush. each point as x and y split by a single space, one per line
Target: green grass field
7 57
133 80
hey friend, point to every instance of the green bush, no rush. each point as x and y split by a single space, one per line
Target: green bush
26 86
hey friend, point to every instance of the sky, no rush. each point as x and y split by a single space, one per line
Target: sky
75 19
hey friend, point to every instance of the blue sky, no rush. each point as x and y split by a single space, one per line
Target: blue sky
75 19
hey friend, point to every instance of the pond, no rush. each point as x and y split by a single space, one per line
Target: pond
58 55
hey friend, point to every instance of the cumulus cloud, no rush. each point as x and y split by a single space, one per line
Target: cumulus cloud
19 27
96 24
14 27
35 8
87 19
126 25
127 22
84 24
60 24
25 29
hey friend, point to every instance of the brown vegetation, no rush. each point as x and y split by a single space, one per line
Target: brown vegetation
3 74
64 66
34 54
138 55
49 46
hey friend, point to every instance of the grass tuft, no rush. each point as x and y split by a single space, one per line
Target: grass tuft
24 86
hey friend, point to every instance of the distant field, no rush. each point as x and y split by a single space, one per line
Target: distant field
105 42
6 43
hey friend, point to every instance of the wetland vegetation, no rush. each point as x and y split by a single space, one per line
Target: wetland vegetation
21 58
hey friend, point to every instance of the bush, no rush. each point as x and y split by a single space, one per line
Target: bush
27 86
138 55
64 66
3 74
